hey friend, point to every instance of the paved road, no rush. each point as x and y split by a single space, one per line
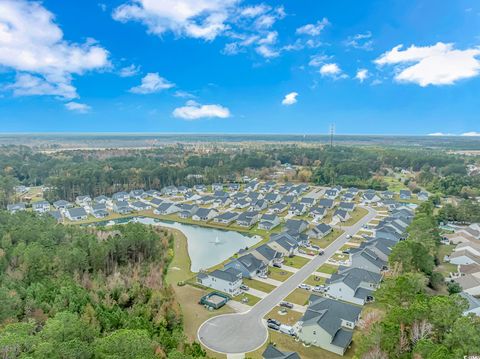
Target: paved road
246 332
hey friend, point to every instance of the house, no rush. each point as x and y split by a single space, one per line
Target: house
155 202
205 214
101 199
318 213
348 197
62 204
182 189
346 206
422 196
137 194
353 285
326 203
233 187
226 218
222 201
285 244
19 190
16 207
319 231
341 216
370 197
248 219
99 210
388 194
83 201
76 214
277 208
227 280
470 283
273 353
259 205
121 207
254 196
187 210
217 187
169 191
220 194
41 206
308 201
464 257
200 188
167 208
140 206
206 200
248 265
331 194
289 199
273 197
328 324
152 193
251 186
405 194
296 225
297 209
473 304
368 259
268 222
57 215
241 203
268 255
120 196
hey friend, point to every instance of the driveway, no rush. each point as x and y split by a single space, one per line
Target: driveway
246 332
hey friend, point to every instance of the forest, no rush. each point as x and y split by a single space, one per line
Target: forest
72 173
77 292
419 316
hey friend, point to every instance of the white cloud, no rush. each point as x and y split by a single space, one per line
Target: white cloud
255 11
32 45
194 111
151 83
465 134
471 134
318 60
77 107
313 29
129 71
331 69
183 94
440 134
439 64
267 51
362 75
360 41
290 99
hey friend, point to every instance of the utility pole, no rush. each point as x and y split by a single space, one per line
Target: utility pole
332 131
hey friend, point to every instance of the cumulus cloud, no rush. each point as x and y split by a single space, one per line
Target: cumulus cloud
129 71
195 111
471 134
32 45
440 134
360 41
313 29
290 99
331 70
78 107
465 134
151 83
362 75
439 64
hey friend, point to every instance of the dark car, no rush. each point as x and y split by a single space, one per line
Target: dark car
277 265
321 252
286 305
273 326
274 321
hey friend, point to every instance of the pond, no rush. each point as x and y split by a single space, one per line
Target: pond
207 247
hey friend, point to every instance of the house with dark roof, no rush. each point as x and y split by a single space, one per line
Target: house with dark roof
341 216
226 218
83 201
241 203
120 196
273 197
62 204
268 222
169 191
285 244
319 231
249 265
140 206
370 197
346 206
99 210
16 207
326 203
277 208
137 194
248 219
273 353
205 214
308 201
101 199
289 199
167 208
348 197
328 324
317 213
268 255
353 285
405 194
224 280
297 209
331 194
57 215
41 206
258 205
76 214
121 207
296 225
368 259
473 304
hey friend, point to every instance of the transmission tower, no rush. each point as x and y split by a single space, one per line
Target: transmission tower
332 132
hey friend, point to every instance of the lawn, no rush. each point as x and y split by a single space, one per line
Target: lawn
298 296
314 280
445 267
246 298
357 214
328 239
279 274
296 262
289 317
261 286
327 268
339 257
394 184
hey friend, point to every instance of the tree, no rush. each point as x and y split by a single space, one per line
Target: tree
125 344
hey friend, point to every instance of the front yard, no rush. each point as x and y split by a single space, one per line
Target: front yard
279 274
328 239
246 298
296 262
284 316
261 286
357 214
298 296
327 268
314 280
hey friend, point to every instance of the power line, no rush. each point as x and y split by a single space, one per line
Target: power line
332 132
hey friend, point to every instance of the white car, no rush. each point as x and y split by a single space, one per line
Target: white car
263 276
349 236
304 286
319 289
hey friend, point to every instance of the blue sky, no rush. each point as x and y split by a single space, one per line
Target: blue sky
232 66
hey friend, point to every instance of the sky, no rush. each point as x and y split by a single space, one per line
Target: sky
231 66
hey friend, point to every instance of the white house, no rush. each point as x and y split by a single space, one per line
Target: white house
228 280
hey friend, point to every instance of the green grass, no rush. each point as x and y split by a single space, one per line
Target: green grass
339 257
279 274
250 299
327 268
357 214
289 317
328 239
296 262
394 184
261 286
298 296
314 280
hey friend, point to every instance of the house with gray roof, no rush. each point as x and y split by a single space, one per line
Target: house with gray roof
258 205
405 194
169 191
16 207
273 197
122 207
308 201
205 214
156 202
248 219
368 259
289 199
62 204
328 324
41 206
341 216
268 222
348 197
326 203
187 210
331 194
268 255
370 197
167 208
297 209
226 218
101 199
99 210
319 231
57 215
120 196
296 225
140 206
241 203
83 201
224 280
137 194
473 304
422 195
271 352
346 206
353 285
249 265
317 213
285 244
76 214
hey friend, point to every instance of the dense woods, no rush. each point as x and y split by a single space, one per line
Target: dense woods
71 292
415 321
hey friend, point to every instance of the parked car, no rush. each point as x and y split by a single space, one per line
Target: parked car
274 321
277 265
287 329
301 251
244 287
286 305
304 286
315 247
321 252
263 276
319 289
273 326
349 236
